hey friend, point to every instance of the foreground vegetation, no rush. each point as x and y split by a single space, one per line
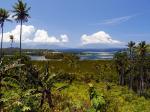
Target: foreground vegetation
67 86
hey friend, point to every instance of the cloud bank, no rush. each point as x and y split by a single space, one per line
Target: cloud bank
32 35
98 38
39 38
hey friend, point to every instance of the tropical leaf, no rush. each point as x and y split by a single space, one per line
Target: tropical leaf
26 108
8 81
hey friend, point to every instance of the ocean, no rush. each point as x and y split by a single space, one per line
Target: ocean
86 54
93 54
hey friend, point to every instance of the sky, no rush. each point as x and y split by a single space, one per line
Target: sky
78 23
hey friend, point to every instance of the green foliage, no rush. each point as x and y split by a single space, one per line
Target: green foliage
133 67
61 86
97 100
54 55
23 88
97 70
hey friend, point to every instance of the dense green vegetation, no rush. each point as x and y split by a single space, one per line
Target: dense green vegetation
133 67
83 70
35 52
72 85
59 55
59 86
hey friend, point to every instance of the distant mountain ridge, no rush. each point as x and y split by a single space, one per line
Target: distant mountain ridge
77 50
103 46
61 47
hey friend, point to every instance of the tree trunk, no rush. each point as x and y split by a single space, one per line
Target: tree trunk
42 99
20 37
122 76
46 94
141 87
49 97
130 75
11 44
2 43
1 73
130 81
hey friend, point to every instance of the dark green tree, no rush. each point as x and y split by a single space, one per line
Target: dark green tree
141 50
131 46
121 62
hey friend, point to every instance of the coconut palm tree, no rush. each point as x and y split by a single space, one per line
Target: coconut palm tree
21 15
142 49
4 15
121 62
131 46
11 39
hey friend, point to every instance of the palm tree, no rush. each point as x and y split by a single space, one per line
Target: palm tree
142 49
11 39
4 15
131 46
21 15
46 82
121 62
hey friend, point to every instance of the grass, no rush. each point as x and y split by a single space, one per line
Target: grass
81 66
119 99
76 96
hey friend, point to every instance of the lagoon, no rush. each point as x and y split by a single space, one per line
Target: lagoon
83 56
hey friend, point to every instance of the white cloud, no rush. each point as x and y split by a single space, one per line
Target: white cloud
118 20
32 35
64 38
99 37
115 21
41 36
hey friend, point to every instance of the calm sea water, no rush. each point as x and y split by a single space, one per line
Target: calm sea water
86 54
96 55
38 58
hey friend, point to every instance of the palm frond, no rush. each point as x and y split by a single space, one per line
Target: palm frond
20 11
8 81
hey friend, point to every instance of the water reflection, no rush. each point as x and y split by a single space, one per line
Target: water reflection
83 56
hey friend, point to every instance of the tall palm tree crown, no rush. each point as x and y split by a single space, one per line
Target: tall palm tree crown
4 16
131 46
20 11
21 15
142 49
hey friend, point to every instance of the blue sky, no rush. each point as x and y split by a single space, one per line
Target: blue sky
97 20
